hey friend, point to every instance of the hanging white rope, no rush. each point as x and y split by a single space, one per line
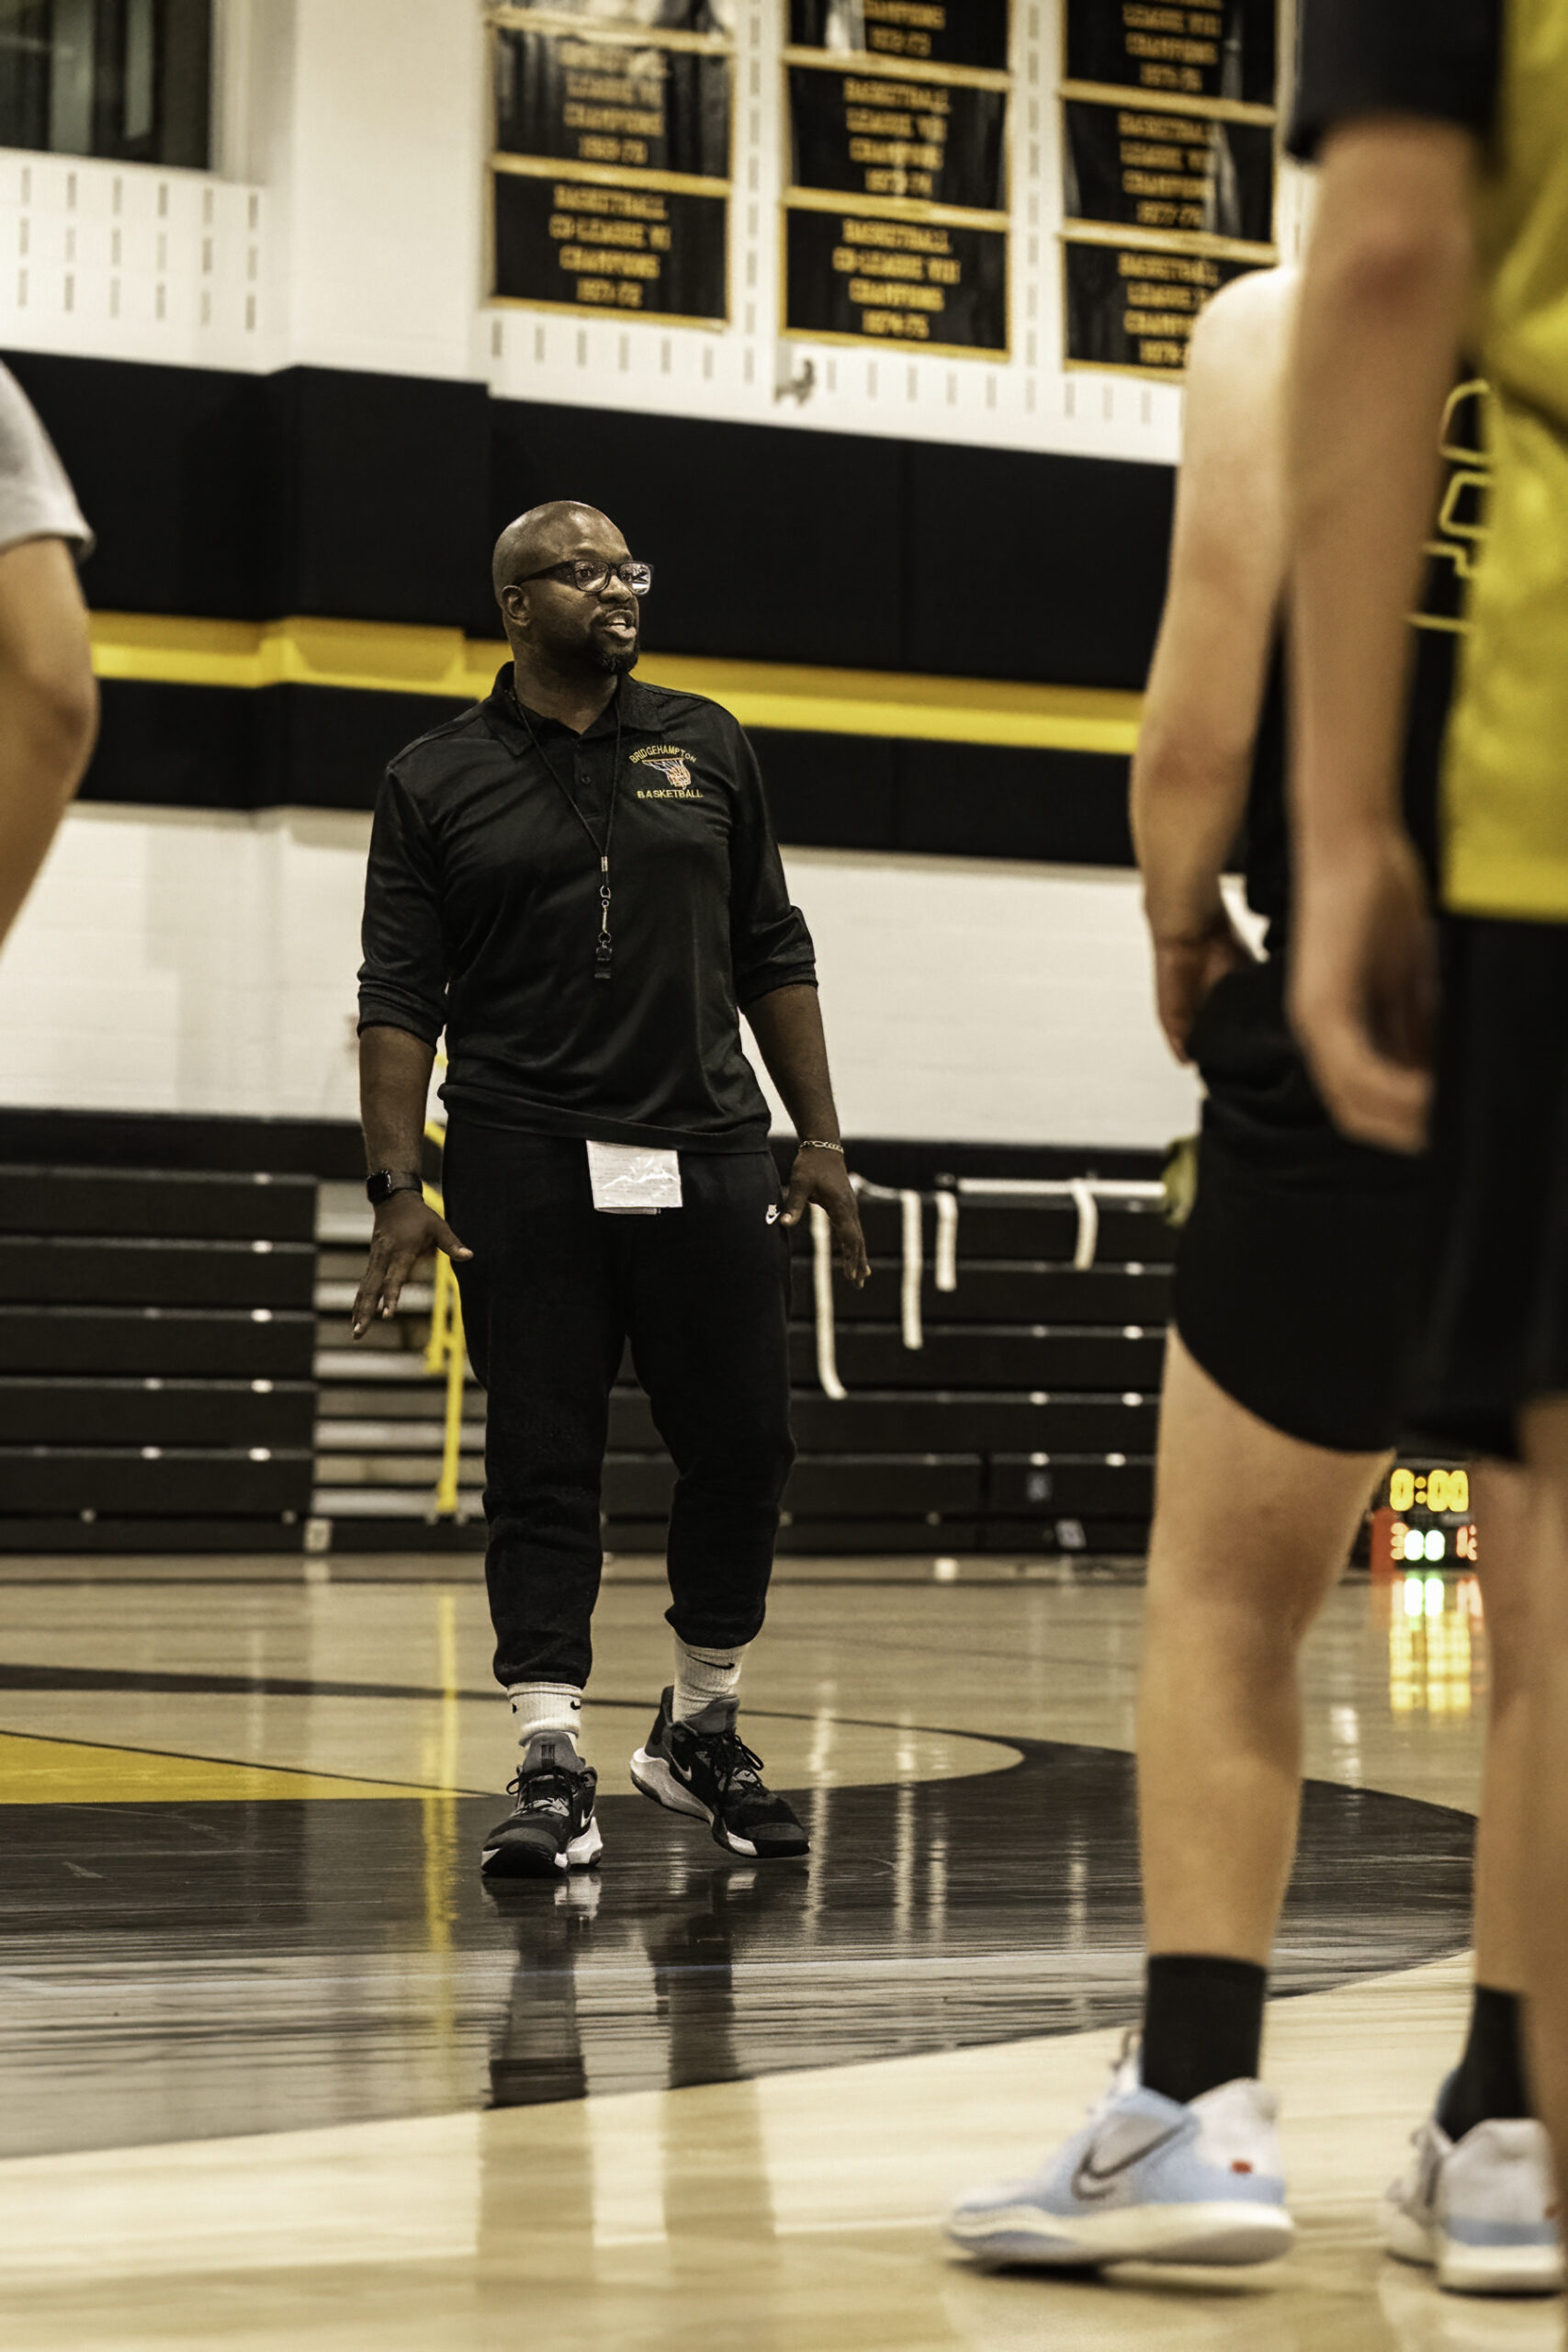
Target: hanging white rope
1088 1224
914 1265
822 1285
946 1240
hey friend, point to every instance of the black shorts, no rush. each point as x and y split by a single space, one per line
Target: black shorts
1298 1274
1496 1335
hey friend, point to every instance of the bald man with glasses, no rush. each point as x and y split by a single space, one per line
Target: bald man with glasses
577 880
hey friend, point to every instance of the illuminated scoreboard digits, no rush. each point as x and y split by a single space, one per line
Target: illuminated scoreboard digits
1433 1490
1424 1517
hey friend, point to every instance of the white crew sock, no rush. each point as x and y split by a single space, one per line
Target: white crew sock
703 1676
546 1707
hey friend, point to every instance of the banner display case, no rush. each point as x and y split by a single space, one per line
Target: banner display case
611 162
896 219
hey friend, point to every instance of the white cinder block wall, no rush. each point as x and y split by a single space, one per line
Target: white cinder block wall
178 962
203 962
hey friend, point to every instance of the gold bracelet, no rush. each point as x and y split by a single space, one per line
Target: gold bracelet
813 1143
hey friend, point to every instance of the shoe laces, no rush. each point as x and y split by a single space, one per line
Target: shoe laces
734 1764
543 1790
1129 2054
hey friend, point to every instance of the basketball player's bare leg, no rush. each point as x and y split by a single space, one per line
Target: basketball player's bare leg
1501 1499
1252 1530
1545 1838
1252 1533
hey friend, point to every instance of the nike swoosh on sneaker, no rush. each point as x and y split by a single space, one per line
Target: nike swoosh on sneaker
1091 2181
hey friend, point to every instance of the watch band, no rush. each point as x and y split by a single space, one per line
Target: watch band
387 1180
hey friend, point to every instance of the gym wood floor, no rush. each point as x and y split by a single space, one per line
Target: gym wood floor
279 2071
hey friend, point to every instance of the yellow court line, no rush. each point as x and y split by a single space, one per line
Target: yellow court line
387 658
37 1769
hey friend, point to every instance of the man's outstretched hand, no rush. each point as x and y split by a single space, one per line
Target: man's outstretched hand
1363 987
407 1229
822 1177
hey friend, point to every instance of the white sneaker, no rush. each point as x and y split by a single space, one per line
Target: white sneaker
1480 2210
1147 2179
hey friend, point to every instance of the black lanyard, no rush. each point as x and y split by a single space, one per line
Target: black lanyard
602 946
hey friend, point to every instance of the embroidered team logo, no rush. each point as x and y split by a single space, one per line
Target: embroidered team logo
670 762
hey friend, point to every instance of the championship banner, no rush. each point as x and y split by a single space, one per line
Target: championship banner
570 98
611 168
863 134
1129 307
958 32
1137 169
648 252
941 289
1226 49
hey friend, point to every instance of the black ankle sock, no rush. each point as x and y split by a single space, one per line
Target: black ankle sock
1489 2083
1202 2022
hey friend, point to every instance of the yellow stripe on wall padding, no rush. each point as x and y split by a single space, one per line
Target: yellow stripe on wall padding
384 658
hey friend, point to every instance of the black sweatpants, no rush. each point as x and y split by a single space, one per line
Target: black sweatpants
553 1291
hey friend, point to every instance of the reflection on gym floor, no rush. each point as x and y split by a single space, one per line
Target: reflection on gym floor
272 2025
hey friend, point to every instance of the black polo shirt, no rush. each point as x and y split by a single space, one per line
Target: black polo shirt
481 912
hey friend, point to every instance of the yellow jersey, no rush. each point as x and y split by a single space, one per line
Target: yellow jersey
1506 767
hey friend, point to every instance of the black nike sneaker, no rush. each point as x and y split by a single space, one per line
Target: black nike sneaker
704 1767
551 1827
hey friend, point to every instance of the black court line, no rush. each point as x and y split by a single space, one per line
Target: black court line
176 1970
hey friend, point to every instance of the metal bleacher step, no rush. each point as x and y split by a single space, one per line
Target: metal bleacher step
1005 1291
153 1411
164 1205
1083 1485
390 1471
337 1434
388 1502
258 1341
337 1297
396 1359
1038 1231
110 1270
165 1479
1007 1356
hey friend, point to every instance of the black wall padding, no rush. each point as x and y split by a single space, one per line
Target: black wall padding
230 747
944 800
322 747
228 496
1040 567
990 800
768 543
788 545
828 791
378 498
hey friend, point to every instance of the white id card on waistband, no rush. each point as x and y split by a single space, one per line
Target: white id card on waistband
628 1180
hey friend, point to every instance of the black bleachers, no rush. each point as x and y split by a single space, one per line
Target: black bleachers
1025 1421
157 1337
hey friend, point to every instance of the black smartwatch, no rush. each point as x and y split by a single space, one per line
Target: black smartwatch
387 1180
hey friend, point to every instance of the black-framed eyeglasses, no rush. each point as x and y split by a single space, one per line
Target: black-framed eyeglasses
591 575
